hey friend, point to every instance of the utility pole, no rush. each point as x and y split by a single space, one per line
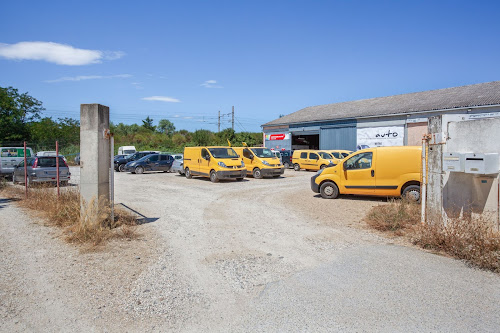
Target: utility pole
232 121
218 123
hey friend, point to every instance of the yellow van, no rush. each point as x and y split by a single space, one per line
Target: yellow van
260 162
214 162
381 171
311 159
338 155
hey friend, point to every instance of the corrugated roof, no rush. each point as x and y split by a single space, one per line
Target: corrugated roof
481 94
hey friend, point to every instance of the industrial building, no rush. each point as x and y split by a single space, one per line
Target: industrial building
383 121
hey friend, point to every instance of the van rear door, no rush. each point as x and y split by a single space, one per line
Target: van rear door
358 174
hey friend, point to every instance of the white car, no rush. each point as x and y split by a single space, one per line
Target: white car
178 165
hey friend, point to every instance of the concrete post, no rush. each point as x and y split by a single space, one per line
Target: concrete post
434 202
94 157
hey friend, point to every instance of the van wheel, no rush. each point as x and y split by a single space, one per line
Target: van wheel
213 177
257 173
121 168
296 167
286 165
322 166
412 193
139 170
187 173
329 190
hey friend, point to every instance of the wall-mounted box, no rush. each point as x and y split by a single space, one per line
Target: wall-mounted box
482 164
453 162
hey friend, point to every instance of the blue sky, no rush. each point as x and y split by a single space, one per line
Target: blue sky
186 60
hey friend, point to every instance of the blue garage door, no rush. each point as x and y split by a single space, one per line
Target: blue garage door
341 135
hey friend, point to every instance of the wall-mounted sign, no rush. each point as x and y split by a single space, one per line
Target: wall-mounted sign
381 136
281 136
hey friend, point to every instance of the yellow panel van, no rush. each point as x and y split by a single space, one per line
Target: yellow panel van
381 171
213 162
338 155
260 162
311 159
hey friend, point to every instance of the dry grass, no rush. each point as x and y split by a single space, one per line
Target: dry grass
91 228
397 216
475 240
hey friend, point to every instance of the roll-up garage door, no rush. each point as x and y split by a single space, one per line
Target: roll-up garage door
338 136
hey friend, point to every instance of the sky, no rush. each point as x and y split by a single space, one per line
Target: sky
187 60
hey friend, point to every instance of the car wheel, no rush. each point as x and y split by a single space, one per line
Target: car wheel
412 193
329 190
188 174
296 167
286 165
322 166
257 173
213 177
139 170
121 168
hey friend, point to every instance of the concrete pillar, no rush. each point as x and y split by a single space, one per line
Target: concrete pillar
434 202
94 156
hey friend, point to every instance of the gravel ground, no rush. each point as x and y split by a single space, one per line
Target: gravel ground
254 256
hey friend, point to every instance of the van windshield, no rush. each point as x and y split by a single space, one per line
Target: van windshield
324 155
223 152
263 152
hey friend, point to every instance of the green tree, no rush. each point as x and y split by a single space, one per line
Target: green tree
202 137
16 111
165 126
148 124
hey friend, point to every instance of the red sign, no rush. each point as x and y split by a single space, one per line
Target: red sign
277 137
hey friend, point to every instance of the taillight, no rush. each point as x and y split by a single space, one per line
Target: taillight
35 164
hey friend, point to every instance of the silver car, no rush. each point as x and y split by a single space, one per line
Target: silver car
178 165
42 169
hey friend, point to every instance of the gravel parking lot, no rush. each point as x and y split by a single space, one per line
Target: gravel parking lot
262 255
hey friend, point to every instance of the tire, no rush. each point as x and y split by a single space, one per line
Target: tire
257 174
296 167
322 166
187 173
411 193
139 170
121 168
286 165
213 177
329 190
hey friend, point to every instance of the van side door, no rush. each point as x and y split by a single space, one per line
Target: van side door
247 158
204 162
358 174
313 161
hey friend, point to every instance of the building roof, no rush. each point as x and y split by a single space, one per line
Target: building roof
482 94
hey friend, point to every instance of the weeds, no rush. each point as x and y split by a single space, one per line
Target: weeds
92 227
473 239
3 183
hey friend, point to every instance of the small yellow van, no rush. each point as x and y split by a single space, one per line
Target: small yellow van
381 171
213 162
338 155
311 159
260 162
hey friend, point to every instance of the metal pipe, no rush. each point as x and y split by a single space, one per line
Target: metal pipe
57 167
423 186
25 173
112 181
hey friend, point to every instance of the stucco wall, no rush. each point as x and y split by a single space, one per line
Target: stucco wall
416 132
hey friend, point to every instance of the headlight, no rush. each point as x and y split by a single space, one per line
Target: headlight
266 163
242 164
222 164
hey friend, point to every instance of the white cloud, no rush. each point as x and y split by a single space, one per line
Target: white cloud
176 116
89 77
187 117
162 99
60 54
210 84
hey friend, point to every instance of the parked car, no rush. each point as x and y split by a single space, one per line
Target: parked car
126 150
77 159
260 162
339 155
118 156
286 158
213 162
178 166
42 169
120 163
311 159
152 162
382 171
10 157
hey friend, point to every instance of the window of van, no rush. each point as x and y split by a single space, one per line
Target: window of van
223 152
313 156
336 155
263 152
204 153
153 158
247 153
346 154
14 152
303 155
324 155
360 161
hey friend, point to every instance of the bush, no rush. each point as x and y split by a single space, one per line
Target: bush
395 216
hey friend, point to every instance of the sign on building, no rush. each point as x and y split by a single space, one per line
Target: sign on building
381 136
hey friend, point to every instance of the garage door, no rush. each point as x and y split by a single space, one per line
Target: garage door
338 136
